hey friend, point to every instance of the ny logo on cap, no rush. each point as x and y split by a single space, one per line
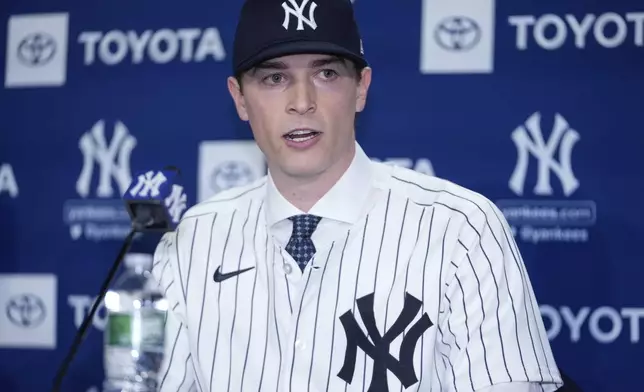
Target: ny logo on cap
298 12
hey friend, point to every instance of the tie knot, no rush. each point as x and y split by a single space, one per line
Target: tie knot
304 225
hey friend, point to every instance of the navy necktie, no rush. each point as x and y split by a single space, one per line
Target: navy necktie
300 246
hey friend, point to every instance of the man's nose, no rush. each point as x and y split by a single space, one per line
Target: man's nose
303 98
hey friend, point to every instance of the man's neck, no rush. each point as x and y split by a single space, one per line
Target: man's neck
304 192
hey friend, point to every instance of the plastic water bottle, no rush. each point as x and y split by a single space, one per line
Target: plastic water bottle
134 333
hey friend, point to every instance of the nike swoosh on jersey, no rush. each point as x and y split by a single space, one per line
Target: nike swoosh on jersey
219 277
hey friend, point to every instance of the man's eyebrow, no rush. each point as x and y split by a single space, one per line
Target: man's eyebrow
267 65
327 61
279 65
270 64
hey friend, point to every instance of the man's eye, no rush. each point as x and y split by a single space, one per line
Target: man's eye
274 78
328 73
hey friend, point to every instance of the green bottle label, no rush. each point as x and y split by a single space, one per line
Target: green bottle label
119 330
143 330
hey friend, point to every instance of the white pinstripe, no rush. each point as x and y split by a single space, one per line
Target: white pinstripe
443 244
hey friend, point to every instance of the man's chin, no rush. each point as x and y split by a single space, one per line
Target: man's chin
303 169
304 173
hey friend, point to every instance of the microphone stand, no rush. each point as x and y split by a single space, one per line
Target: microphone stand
82 331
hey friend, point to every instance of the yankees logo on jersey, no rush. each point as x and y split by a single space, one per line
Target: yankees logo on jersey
416 284
403 368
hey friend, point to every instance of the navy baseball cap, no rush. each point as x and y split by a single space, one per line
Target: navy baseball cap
272 28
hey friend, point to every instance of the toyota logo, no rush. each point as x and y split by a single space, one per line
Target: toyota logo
26 310
36 49
457 33
231 174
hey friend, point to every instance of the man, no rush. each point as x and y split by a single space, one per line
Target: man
334 273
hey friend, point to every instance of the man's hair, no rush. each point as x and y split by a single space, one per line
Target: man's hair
357 68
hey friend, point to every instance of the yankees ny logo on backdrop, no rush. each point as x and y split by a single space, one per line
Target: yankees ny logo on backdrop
298 12
113 159
562 137
378 347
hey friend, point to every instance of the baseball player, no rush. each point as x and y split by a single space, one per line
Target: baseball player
333 272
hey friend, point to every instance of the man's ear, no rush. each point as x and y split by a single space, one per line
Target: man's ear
238 97
363 89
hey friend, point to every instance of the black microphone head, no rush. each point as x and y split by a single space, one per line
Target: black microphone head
156 200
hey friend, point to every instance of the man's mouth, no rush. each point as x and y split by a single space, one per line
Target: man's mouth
301 135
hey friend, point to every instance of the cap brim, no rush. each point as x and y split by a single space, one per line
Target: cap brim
299 47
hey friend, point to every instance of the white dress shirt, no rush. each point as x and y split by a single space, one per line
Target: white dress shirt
416 285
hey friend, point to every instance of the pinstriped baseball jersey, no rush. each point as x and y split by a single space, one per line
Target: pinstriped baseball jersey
416 285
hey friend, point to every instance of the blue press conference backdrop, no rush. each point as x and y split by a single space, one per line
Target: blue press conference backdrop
537 105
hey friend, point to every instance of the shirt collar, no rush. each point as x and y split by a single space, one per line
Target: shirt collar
344 202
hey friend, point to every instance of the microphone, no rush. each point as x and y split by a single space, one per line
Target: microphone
155 201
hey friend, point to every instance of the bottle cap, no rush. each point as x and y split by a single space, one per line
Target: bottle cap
138 260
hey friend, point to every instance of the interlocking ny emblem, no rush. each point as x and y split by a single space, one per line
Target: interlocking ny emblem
176 203
529 139
113 159
298 12
402 368
148 184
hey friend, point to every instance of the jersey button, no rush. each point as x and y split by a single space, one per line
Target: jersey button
300 345
287 268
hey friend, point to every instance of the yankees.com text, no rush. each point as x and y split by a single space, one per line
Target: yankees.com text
544 213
